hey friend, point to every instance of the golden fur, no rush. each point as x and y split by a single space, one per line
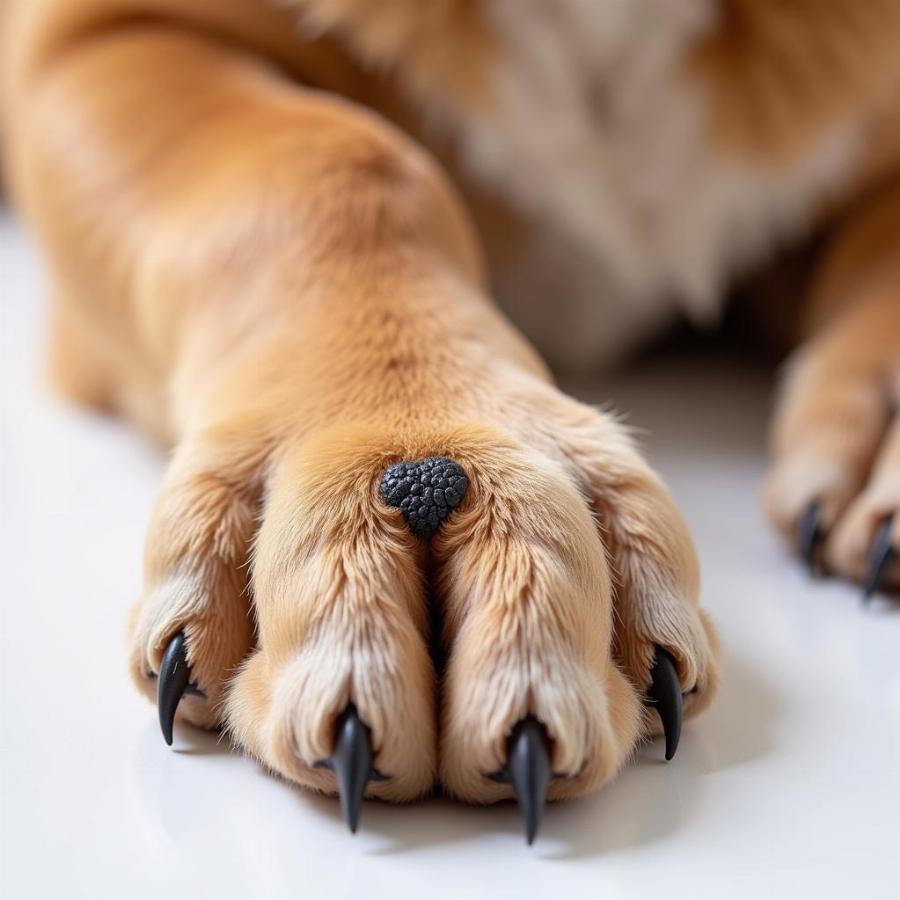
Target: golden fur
260 253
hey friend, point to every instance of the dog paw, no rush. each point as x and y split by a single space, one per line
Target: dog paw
834 487
524 579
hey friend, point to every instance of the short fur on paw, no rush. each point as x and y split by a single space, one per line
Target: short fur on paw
425 491
335 605
834 486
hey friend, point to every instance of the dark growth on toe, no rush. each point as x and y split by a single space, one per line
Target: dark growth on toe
425 491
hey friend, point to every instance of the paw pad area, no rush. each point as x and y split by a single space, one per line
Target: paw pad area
426 491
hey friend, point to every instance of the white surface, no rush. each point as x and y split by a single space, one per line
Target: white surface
788 788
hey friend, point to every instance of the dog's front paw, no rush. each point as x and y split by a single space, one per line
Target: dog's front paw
834 487
532 539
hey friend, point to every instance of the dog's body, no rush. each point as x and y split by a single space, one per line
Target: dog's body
256 257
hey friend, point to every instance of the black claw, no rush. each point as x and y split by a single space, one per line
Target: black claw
881 555
665 695
174 681
528 769
809 535
351 762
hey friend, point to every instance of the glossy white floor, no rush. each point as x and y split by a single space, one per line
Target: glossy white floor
788 788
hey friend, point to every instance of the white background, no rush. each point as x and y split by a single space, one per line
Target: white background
789 787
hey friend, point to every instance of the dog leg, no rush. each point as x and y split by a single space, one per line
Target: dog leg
307 288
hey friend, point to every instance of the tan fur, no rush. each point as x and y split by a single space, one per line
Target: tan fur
252 262
835 435
781 75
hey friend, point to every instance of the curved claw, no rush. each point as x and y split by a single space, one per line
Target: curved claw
174 681
351 762
665 694
809 535
528 769
881 555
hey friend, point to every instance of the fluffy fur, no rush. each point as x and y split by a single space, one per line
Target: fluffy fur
271 230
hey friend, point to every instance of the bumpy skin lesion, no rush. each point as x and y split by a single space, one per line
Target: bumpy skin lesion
425 492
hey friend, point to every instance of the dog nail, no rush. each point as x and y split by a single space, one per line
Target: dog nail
528 769
880 556
665 695
351 762
809 534
174 682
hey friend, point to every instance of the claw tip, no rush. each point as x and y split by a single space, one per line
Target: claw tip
665 695
174 678
810 536
879 559
529 770
351 762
